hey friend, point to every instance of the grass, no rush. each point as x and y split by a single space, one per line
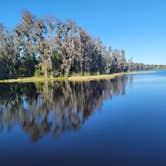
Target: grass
32 79
97 77
71 78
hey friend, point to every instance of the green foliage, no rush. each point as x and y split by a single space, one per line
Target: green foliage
38 73
50 48
57 62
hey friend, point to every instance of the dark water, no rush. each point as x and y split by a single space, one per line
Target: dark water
119 122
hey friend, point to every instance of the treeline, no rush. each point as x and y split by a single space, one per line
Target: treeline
49 47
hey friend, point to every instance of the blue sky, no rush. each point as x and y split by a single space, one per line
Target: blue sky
138 26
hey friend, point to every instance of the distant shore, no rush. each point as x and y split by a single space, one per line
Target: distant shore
70 78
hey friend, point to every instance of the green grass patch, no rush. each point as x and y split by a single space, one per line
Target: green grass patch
75 78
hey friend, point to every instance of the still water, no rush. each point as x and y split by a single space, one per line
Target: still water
118 122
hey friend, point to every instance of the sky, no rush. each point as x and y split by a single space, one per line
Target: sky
138 26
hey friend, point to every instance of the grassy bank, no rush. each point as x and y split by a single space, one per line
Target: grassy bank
97 77
71 78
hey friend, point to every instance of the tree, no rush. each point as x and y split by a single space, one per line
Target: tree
122 65
49 47
131 64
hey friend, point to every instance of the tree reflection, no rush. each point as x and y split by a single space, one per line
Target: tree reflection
54 107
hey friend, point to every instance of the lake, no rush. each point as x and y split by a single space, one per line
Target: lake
118 122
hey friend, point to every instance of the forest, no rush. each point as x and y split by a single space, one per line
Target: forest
51 48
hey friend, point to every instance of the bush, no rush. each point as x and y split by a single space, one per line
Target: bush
38 73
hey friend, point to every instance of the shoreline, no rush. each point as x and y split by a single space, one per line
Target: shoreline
70 78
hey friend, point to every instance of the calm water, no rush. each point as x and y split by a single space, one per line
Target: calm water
119 122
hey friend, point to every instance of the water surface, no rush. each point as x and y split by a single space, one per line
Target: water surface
116 122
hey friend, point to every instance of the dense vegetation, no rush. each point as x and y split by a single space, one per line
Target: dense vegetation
51 48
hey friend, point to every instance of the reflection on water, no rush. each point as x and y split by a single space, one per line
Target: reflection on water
55 107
